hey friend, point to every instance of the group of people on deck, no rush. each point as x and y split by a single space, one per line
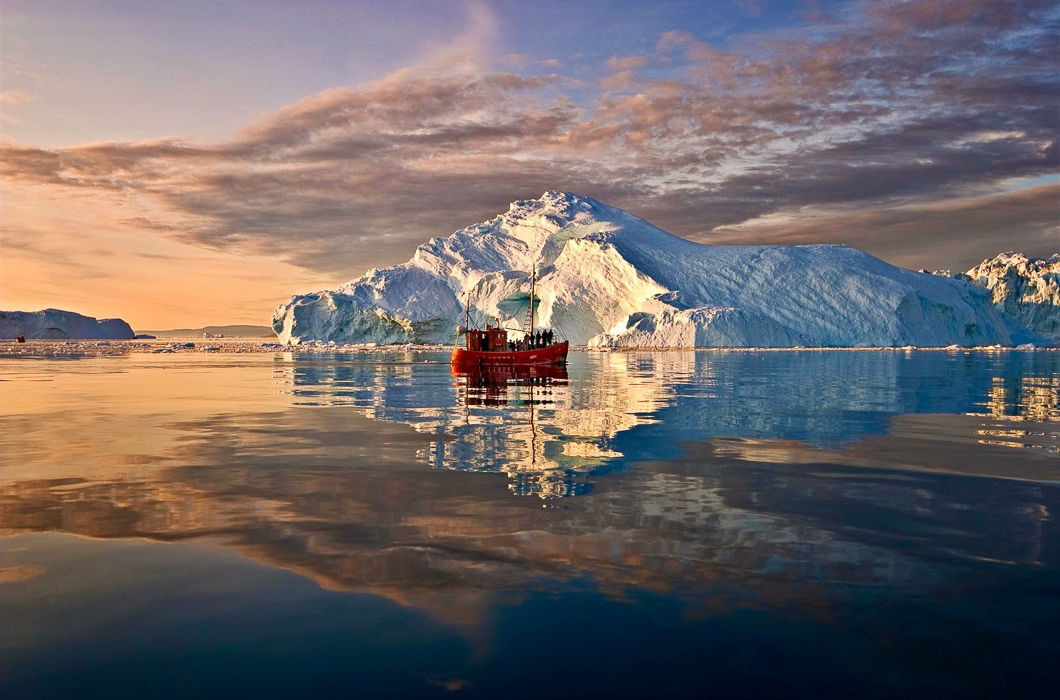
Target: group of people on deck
531 341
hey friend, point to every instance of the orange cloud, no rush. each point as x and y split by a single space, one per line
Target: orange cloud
14 97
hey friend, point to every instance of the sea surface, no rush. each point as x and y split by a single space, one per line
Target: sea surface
676 524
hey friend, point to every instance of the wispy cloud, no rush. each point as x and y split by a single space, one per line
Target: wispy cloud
960 230
14 97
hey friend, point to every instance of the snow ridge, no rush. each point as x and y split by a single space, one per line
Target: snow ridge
608 278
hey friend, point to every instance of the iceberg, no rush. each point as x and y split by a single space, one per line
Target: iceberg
1025 288
56 324
607 278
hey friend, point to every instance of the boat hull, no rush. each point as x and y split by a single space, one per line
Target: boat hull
551 355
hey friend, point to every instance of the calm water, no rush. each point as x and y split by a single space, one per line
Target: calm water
746 524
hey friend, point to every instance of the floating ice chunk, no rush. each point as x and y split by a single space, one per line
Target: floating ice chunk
57 324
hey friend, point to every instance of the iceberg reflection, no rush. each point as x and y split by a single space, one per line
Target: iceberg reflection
552 434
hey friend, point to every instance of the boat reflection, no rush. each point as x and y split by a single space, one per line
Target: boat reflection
508 384
528 450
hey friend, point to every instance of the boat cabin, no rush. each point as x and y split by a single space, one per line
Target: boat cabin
489 340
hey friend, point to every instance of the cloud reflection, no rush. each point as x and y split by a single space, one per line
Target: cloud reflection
339 491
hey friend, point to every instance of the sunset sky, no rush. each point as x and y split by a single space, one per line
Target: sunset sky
191 162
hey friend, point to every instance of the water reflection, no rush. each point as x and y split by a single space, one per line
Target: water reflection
869 493
766 533
507 385
547 433
806 472
1015 405
517 444
615 408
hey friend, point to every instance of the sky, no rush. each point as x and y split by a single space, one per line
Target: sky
198 162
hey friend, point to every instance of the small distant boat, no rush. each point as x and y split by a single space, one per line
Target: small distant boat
492 347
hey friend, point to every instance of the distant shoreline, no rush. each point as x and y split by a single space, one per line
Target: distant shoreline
232 330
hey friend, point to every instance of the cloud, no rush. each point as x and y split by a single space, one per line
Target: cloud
468 51
627 63
15 97
11 98
958 232
519 60
846 122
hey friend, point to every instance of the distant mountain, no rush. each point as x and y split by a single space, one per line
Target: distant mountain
608 278
1027 288
57 325
229 331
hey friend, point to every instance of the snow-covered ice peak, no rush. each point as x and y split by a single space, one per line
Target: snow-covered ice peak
609 278
531 234
556 215
1025 287
1014 261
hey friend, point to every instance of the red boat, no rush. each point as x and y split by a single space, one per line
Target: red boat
491 347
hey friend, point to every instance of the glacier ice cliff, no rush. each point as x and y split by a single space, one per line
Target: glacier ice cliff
608 278
1026 288
58 324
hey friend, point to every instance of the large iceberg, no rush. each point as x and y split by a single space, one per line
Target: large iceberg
58 324
608 278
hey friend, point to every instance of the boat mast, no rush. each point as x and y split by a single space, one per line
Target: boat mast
533 280
467 322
